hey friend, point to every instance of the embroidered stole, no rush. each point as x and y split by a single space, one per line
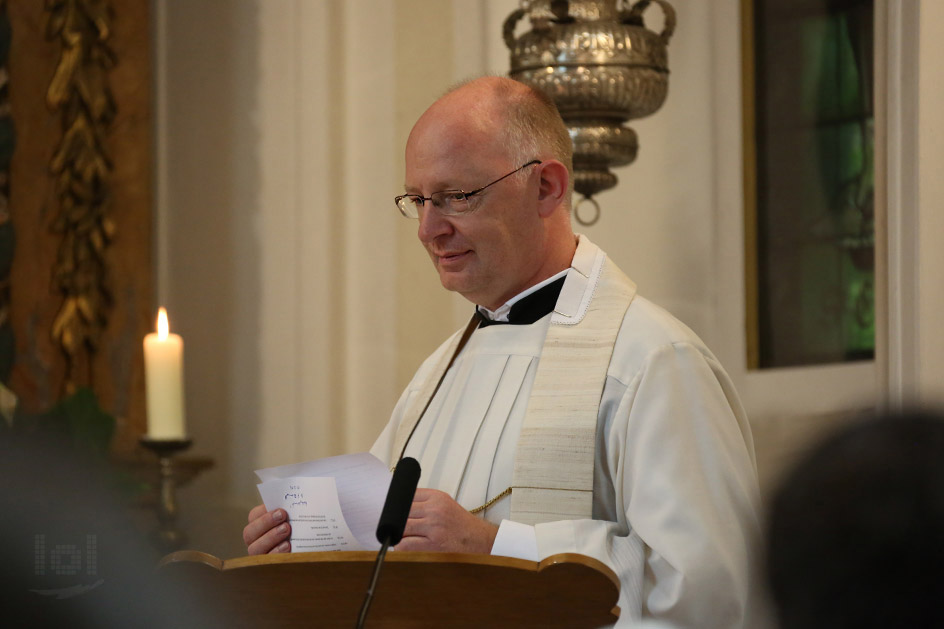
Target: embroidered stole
553 478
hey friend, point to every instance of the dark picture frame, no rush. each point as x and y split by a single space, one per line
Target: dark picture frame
808 129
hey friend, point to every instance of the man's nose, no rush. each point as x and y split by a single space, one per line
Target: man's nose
432 223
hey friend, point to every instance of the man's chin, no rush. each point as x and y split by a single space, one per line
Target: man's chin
451 283
457 284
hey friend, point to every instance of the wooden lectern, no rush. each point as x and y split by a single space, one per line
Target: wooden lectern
414 590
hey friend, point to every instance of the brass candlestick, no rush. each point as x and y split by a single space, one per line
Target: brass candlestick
169 537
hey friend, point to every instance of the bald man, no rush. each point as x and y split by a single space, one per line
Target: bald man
570 415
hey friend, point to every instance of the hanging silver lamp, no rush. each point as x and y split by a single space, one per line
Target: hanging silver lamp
602 67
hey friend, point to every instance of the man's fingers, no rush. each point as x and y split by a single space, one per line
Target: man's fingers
262 522
256 512
412 543
414 527
423 494
260 529
438 523
425 502
284 547
272 540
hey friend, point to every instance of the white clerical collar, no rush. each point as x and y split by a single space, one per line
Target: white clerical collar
501 313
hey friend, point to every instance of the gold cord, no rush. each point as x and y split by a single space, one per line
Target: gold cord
491 502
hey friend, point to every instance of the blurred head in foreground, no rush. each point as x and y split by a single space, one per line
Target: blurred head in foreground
856 531
72 557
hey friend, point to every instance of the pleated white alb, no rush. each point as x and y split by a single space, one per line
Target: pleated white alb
554 460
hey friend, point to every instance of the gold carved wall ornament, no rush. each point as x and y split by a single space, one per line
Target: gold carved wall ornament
79 91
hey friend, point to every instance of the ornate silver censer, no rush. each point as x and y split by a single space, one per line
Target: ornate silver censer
602 67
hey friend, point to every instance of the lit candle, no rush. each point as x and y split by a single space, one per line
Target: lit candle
163 370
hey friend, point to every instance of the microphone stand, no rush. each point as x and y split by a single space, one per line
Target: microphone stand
373 582
393 519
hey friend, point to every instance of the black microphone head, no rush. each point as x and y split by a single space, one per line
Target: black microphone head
396 508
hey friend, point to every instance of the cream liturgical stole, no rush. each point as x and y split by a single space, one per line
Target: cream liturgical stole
553 475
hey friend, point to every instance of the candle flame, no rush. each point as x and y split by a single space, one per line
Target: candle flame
162 326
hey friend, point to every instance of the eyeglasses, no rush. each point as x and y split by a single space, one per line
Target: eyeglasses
447 202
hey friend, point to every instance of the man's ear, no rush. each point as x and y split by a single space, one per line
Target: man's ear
553 186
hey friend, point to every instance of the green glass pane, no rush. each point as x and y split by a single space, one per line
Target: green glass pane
815 181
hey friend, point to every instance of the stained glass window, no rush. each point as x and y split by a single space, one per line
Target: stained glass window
810 192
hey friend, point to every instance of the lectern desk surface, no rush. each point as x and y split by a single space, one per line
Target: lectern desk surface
415 589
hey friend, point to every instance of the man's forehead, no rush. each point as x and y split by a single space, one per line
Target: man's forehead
446 132
444 171
448 154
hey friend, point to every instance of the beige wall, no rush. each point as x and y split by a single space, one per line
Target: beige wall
305 301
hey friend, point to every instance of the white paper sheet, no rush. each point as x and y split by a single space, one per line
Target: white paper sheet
359 481
314 512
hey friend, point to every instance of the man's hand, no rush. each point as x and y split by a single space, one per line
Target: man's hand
439 523
267 531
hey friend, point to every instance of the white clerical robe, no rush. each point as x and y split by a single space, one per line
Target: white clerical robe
674 491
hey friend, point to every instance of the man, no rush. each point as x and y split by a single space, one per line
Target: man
594 422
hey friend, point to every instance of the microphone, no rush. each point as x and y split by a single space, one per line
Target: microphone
393 519
396 508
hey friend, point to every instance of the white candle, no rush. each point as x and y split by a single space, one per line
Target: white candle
163 370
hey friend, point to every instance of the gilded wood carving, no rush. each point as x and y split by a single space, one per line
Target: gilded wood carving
80 93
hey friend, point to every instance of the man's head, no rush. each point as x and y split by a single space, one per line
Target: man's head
517 232
856 531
